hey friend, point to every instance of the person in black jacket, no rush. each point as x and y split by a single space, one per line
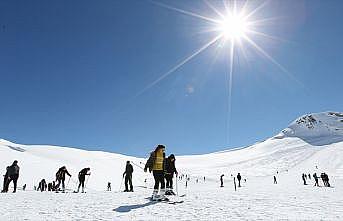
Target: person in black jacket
13 175
239 177
169 174
82 177
61 176
128 177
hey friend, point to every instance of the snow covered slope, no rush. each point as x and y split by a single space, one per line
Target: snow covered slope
310 141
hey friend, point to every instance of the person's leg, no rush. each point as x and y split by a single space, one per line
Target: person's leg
63 186
15 179
167 181
78 188
83 185
126 183
163 185
8 181
155 192
130 183
171 182
156 178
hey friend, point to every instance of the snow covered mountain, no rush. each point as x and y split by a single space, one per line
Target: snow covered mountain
313 140
317 129
312 143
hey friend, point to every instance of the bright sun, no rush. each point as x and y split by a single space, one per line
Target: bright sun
233 26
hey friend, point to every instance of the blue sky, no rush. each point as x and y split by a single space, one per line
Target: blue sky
71 70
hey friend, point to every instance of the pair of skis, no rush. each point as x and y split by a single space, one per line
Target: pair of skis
167 200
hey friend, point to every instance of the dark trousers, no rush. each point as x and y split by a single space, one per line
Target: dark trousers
4 184
159 179
81 183
128 181
13 178
169 179
59 183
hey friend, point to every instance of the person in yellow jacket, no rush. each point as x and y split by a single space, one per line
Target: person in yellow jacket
156 164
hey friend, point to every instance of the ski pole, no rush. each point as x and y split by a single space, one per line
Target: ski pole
87 181
137 165
68 182
177 192
121 183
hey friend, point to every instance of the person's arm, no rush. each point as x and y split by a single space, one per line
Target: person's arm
68 173
149 163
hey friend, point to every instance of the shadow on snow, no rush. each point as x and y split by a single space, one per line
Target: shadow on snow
128 208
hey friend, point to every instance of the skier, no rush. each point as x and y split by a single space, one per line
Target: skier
49 187
325 179
221 181
24 187
303 177
156 163
128 177
109 186
61 176
275 182
5 181
315 179
41 185
82 177
170 170
204 179
239 179
309 176
13 175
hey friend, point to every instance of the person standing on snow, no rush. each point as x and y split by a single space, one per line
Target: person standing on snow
303 177
170 170
156 164
221 181
61 176
275 182
82 177
239 179
13 175
128 177
315 179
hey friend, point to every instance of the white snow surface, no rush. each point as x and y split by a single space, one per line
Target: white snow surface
312 143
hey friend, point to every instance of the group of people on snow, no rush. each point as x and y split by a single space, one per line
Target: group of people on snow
239 178
323 176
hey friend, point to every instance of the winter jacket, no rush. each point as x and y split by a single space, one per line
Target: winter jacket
170 166
152 163
83 173
13 170
61 174
128 170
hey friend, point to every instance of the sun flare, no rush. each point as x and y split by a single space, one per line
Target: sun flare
233 26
